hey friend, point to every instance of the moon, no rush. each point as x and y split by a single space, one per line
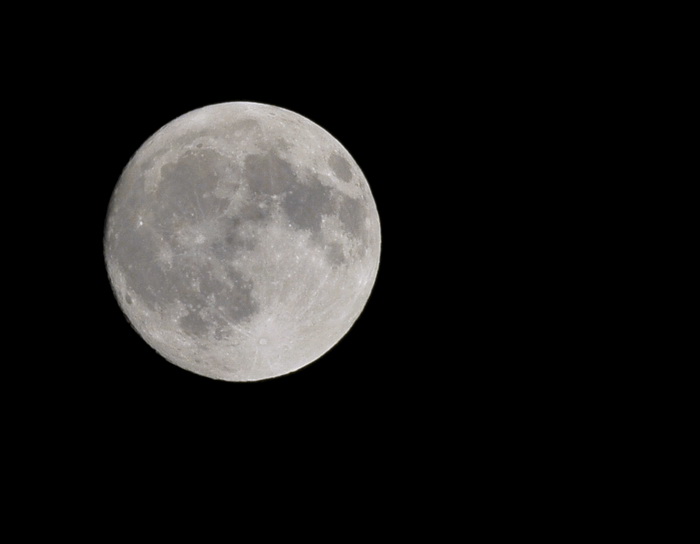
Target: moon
242 241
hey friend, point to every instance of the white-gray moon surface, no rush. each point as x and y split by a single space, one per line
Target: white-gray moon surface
242 241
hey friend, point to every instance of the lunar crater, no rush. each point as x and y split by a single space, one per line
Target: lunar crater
341 167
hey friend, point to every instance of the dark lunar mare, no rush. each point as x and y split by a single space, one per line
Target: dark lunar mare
305 201
184 198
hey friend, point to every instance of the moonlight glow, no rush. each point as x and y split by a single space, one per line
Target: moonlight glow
242 241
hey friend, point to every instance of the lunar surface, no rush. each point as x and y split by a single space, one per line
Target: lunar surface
242 241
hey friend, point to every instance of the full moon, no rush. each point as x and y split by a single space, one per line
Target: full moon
242 241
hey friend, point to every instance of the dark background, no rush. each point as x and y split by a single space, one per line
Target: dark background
476 365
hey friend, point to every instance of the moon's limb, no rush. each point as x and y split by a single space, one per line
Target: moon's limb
242 241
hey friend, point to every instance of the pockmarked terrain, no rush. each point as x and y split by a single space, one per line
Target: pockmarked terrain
242 241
